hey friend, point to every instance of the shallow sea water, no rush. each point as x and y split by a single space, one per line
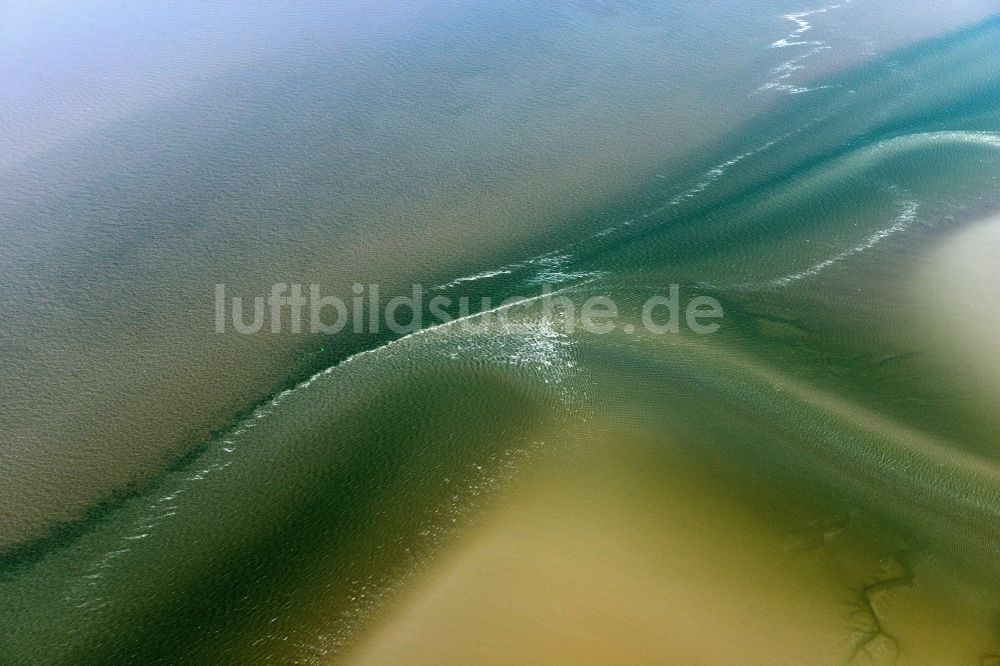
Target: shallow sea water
818 482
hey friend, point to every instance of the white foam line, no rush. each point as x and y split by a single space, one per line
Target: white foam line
435 329
719 170
266 409
798 18
549 261
959 136
905 219
485 275
145 529
795 38
785 42
707 179
561 254
786 70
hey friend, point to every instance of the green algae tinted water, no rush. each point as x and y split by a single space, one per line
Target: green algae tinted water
177 498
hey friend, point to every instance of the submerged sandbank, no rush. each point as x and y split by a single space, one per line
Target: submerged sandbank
959 294
641 555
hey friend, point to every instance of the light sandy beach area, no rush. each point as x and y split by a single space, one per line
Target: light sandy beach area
637 556
959 293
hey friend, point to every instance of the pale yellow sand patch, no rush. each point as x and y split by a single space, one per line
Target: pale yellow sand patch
613 564
958 295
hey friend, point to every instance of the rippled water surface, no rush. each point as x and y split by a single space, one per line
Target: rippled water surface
816 482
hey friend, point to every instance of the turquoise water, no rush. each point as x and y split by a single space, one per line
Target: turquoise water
180 498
